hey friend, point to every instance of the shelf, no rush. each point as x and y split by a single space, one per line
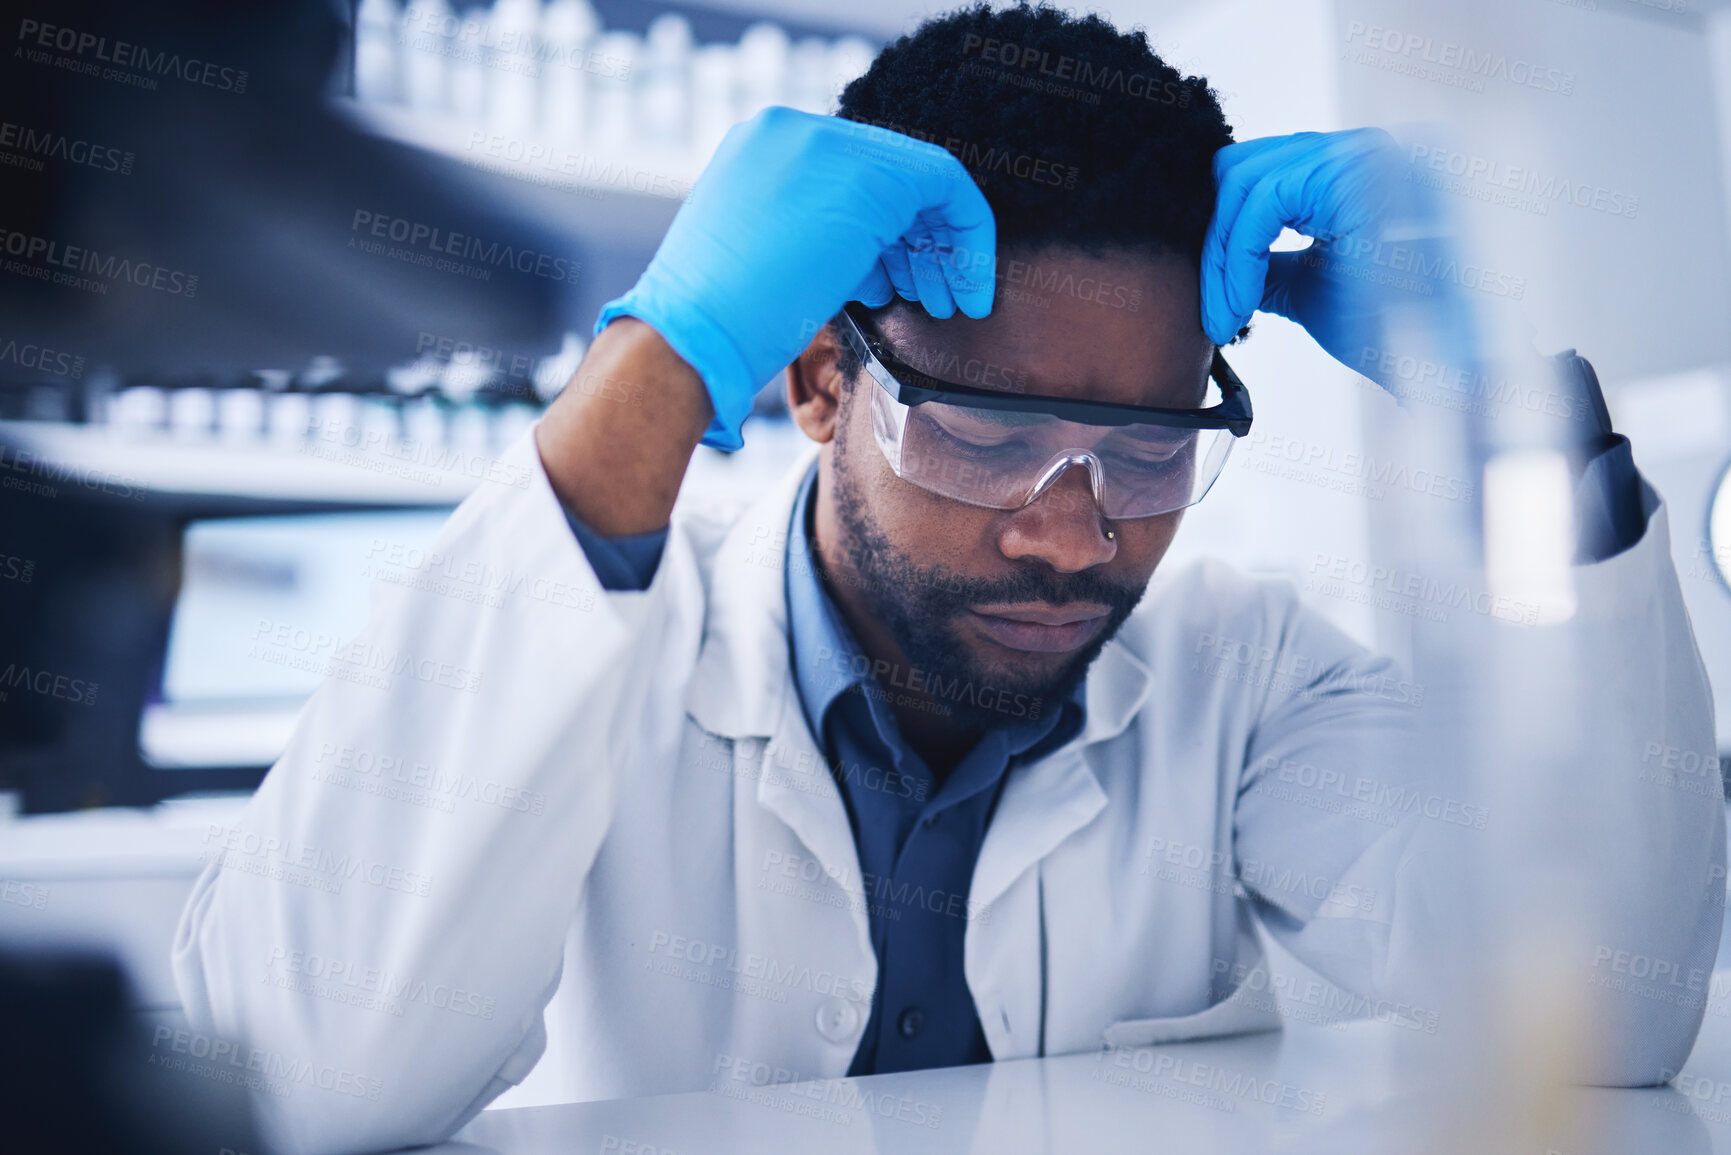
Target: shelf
99 459
96 460
568 167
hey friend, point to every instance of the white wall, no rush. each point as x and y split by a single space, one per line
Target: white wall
1644 294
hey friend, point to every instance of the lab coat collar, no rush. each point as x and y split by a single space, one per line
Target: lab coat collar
743 681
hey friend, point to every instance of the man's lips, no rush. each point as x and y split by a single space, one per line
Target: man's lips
1041 628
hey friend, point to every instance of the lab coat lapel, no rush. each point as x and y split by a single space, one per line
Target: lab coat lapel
742 673
796 786
1005 954
743 689
1042 805
1046 802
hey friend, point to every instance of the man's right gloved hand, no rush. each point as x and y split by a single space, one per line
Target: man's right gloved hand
795 216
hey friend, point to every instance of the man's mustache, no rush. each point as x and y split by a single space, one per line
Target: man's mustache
1032 585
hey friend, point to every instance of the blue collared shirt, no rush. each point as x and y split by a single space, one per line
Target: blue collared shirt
918 839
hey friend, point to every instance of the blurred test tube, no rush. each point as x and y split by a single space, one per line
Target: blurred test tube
336 418
470 429
613 68
514 59
423 44
376 52
513 419
139 409
567 27
712 97
288 418
763 66
467 76
424 422
808 76
240 415
192 412
666 83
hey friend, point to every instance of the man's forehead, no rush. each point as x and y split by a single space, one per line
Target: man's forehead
1122 329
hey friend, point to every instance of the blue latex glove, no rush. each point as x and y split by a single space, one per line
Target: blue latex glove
1346 190
795 216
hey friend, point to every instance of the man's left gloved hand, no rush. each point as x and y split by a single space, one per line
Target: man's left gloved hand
1345 189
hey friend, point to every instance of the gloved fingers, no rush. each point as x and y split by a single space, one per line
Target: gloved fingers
971 273
1332 190
894 259
1325 185
1286 282
927 258
1354 175
1234 269
1219 320
1240 169
912 188
934 290
1241 164
875 291
954 210
1279 201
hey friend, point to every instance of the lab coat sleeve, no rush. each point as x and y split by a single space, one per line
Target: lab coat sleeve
1341 809
1325 800
382 930
1641 827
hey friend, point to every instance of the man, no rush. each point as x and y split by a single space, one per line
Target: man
908 764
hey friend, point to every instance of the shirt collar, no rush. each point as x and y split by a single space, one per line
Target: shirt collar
827 659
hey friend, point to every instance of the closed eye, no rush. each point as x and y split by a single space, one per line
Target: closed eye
982 427
1146 450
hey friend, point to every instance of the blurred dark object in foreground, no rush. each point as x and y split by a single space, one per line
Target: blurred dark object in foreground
80 1075
223 219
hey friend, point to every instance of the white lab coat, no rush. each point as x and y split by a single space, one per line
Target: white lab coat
592 830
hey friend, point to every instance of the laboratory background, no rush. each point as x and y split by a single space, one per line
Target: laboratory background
206 469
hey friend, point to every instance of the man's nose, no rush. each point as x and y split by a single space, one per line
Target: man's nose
1063 527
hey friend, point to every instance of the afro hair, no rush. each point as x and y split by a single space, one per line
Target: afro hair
1079 135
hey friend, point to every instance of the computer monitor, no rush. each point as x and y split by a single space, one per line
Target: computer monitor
264 605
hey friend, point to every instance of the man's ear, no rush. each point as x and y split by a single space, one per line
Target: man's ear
814 386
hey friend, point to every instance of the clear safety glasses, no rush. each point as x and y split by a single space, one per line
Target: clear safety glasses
1002 450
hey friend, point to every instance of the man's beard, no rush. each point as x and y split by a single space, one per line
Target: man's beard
919 606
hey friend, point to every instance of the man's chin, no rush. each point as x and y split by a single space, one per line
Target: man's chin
984 690
1023 672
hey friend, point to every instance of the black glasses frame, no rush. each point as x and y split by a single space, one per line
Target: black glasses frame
912 387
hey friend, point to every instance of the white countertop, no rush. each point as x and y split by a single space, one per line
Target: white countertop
1308 1089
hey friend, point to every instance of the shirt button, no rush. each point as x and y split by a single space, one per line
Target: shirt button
913 1020
836 1019
931 821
